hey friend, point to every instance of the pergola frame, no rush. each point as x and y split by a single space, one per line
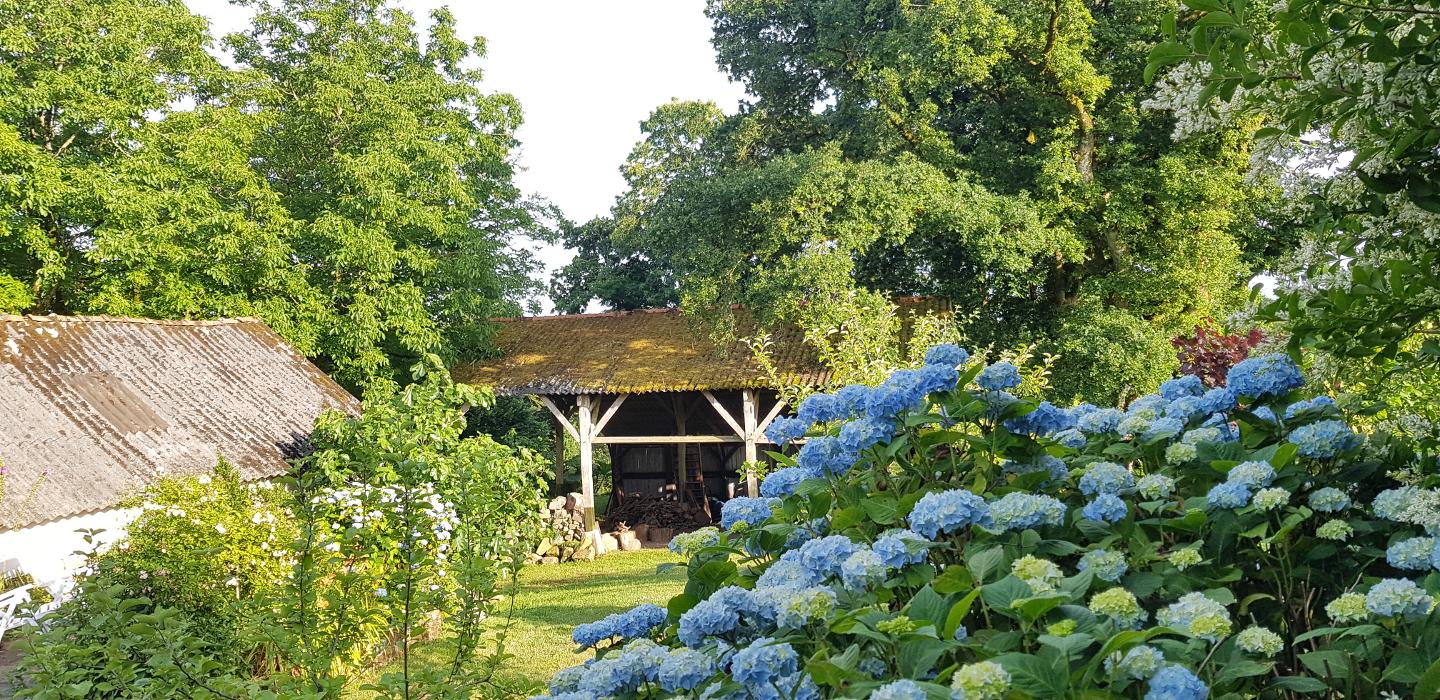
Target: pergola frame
590 421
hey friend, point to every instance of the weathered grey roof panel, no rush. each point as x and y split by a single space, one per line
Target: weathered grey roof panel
92 408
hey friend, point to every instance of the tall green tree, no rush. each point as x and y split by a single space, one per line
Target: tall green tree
396 167
348 182
996 152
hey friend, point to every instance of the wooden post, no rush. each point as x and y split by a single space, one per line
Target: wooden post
750 414
587 471
559 489
679 449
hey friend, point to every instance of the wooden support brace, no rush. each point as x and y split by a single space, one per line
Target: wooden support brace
609 413
720 408
560 416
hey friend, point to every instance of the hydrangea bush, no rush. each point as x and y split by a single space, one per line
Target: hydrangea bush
935 537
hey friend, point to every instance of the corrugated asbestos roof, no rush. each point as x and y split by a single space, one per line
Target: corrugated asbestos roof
633 352
105 405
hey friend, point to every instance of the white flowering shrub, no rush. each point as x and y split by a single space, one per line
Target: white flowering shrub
402 518
935 537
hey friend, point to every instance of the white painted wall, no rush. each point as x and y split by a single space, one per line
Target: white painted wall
47 551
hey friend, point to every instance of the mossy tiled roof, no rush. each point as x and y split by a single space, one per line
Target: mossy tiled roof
633 352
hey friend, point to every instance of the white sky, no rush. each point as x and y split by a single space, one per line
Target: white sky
585 72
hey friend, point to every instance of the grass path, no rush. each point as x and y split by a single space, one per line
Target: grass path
553 599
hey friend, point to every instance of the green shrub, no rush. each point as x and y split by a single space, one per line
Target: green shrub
39 595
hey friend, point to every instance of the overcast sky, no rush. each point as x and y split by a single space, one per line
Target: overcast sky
585 72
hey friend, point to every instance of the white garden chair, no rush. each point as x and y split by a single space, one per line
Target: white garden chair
10 601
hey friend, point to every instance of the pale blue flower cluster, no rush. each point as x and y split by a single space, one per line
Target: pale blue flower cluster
1320 405
826 456
1139 663
1191 613
1162 428
784 429
1412 554
1188 385
948 511
1106 478
744 509
1254 475
898 548
1104 564
1174 682
1230 494
1155 486
684 669
863 569
1071 438
904 689
631 624
1329 500
1265 376
826 555
1217 401
947 354
1107 508
716 615
764 661
999 377
861 434
1020 511
782 482
1323 439
1398 597
1391 504
1046 419
1099 422
822 408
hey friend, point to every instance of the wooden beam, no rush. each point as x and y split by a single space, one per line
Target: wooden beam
559 415
720 408
609 412
749 402
587 471
771 416
559 462
664 439
680 474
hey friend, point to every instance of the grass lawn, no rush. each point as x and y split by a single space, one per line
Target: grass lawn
553 599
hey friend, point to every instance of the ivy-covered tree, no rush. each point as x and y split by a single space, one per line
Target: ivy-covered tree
996 152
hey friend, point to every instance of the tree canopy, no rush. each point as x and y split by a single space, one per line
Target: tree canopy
1000 153
346 182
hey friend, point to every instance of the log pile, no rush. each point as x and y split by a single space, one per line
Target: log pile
656 513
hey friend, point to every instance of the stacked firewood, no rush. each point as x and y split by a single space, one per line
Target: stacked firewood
656 513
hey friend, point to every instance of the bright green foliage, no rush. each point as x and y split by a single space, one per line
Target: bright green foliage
349 183
399 516
1331 80
997 153
200 545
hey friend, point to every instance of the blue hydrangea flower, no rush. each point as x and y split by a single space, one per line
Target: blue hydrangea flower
788 572
718 614
1139 663
751 511
932 378
1071 438
1398 597
1219 400
1176 683
1106 477
1265 376
1412 554
648 655
821 408
948 511
1099 422
873 667
794 608
633 623
862 570
804 532
1148 406
947 354
863 433
1185 408
962 633
1264 413
1188 385
1106 508
1323 439
764 661
1329 500
1155 486
685 669
904 689
1197 615
1254 475
1020 511
1390 504
1054 466
998 377
796 686
1318 404
997 402
826 455
1104 564
613 675
566 680
891 399
898 548
1163 427
782 482
826 555
784 429
1231 494
1044 420
853 397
